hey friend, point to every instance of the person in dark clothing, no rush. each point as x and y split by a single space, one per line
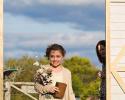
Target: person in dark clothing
101 53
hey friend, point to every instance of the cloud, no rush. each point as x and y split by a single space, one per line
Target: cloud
30 26
55 2
19 53
71 2
24 36
22 24
83 17
70 40
76 44
82 44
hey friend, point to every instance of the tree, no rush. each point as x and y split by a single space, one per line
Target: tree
84 74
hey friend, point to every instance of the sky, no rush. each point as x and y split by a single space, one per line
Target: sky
31 25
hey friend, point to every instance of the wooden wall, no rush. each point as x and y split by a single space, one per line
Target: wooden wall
115 49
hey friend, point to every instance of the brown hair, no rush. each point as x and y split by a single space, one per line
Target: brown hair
55 47
102 42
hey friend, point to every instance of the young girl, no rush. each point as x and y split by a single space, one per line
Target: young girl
55 54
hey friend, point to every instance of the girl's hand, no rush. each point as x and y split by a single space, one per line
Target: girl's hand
53 89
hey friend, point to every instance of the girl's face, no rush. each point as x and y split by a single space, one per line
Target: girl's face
55 58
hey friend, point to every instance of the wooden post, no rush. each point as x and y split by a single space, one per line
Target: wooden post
8 91
1 49
108 77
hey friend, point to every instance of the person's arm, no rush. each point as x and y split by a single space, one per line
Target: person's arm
40 88
101 74
43 89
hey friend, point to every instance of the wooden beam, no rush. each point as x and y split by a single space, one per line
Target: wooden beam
118 79
23 92
7 95
108 77
118 57
120 69
22 83
1 49
117 1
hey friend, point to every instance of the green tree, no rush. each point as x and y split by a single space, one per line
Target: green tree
84 77
84 74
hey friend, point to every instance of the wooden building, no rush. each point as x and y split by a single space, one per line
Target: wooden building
115 39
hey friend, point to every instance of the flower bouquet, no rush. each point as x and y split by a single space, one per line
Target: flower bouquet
43 75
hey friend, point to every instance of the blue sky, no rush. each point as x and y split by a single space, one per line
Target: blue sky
31 25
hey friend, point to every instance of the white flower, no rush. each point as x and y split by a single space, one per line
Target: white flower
36 63
40 71
43 75
43 66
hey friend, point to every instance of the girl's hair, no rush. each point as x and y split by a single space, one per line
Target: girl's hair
55 47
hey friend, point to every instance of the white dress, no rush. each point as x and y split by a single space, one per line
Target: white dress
56 77
62 76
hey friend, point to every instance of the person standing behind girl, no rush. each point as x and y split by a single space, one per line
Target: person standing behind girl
101 53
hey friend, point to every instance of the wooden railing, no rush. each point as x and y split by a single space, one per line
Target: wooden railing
26 89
